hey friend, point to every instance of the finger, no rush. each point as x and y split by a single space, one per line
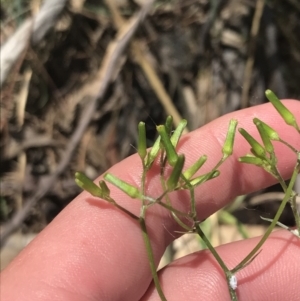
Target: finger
273 275
91 247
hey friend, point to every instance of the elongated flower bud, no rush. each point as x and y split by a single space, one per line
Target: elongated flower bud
257 149
264 136
170 150
195 167
142 148
129 189
228 145
169 124
153 152
104 188
250 159
178 132
87 184
285 113
176 173
272 134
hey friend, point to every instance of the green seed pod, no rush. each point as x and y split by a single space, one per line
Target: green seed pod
129 189
87 184
169 124
228 145
257 149
285 113
195 167
176 173
153 152
264 136
272 134
170 150
142 148
104 188
249 159
178 132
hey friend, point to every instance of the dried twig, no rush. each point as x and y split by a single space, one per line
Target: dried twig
33 29
252 45
107 71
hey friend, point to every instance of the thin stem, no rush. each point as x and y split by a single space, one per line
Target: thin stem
288 145
293 199
211 248
192 192
147 239
293 196
126 211
167 206
150 255
112 201
222 264
143 182
272 225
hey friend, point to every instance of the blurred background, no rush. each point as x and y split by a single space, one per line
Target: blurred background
77 76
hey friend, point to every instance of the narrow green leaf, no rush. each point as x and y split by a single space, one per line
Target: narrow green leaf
178 132
129 189
228 145
195 167
257 148
201 179
142 148
285 113
170 150
87 184
264 136
176 173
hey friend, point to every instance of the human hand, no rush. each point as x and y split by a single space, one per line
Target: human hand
93 251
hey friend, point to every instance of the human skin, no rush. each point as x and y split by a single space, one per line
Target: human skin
93 251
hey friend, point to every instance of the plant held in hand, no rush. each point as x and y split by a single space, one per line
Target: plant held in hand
174 177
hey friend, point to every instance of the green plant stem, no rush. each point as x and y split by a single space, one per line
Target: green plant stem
211 248
113 202
222 264
288 145
168 207
147 239
192 192
295 211
272 225
150 255
293 198
126 211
